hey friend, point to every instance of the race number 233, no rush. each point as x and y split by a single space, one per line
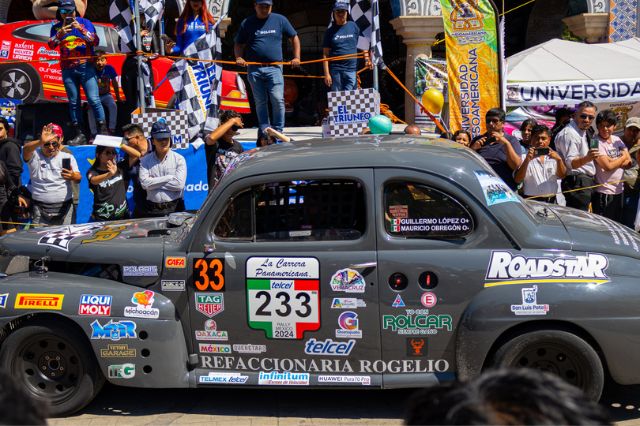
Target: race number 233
208 274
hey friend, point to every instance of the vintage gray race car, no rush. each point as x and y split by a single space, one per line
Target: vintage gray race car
369 262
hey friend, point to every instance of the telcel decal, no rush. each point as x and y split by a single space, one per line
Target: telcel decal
52 302
144 305
95 305
530 304
226 378
113 330
509 269
328 347
122 371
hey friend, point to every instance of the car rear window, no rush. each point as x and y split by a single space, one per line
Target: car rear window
418 211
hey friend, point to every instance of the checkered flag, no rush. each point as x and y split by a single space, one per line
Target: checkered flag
199 98
61 237
152 10
366 14
121 16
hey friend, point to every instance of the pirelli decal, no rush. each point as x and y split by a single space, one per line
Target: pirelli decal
38 301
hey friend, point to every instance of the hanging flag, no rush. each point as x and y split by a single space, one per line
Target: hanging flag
152 10
197 84
366 14
473 62
121 17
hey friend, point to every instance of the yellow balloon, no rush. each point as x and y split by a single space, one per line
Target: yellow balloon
433 100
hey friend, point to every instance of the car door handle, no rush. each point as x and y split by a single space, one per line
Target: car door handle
364 265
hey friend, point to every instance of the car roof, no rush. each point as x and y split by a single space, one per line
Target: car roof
439 156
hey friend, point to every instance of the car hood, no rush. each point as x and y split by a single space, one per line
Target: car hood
136 246
594 233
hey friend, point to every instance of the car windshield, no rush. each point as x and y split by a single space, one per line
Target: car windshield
40 33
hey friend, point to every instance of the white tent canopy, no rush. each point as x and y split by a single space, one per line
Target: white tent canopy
566 72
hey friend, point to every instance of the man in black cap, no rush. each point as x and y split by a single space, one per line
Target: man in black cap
163 174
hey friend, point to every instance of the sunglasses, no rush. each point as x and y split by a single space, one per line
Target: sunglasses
51 145
493 120
587 117
66 11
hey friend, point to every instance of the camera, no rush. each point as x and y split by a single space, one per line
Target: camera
541 151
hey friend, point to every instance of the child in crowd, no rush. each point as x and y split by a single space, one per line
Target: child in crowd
462 137
614 158
541 167
106 181
525 132
107 76
221 147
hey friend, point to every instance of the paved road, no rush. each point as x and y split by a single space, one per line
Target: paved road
252 407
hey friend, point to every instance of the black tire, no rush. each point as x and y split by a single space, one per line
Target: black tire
558 352
54 365
20 82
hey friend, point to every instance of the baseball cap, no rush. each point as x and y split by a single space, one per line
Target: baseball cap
160 130
633 122
264 2
341 5
66 4
57 130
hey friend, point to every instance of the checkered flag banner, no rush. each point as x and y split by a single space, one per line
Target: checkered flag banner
152 10
197 84
120 15
366 14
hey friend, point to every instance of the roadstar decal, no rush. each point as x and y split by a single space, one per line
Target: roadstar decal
52 302
519 269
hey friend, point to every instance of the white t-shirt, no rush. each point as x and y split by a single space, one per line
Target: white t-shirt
47 184
541 178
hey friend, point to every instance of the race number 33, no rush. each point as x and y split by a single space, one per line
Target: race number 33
283 295
208 274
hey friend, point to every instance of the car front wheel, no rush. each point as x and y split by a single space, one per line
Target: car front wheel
19 82
54 365
558 352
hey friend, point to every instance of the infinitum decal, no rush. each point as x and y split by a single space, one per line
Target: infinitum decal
507 269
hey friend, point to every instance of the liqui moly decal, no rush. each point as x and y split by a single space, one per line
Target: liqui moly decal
506 268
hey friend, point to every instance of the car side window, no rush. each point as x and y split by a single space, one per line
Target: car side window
299 210
40 32
415 210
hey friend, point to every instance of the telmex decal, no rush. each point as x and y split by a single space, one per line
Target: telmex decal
363 380
3 300
173 285
324 365
95 305
113 330
227 378
518 269
117 351
175 262
286 378
52 302
417 324
347 303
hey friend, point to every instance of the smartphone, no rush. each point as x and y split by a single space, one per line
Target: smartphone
66 163
542 151
68 20
594 143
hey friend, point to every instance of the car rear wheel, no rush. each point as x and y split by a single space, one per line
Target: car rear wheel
54 365
19 82
557 352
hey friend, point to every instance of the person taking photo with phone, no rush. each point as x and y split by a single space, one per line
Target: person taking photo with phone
610 164
541 167
52 173
76 37
107 182
221 146
500 150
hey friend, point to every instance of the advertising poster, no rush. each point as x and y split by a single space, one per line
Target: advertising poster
429 73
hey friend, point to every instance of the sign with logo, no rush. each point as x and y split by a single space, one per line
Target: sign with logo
428 299
349 111
3 300
211 348
118 351
249 348
173 285
51 302
416 346
144 305
209 304
113 330
211 332
286 378
328 347
283 295
95 305
224 378
345 380
417 323
121 371
530 304
348 280
347 303
398 302
349 326
175 262
506 268
140 271
60 237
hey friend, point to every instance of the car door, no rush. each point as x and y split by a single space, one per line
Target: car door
288 293
434 242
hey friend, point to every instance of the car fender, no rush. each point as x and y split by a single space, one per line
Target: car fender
120 330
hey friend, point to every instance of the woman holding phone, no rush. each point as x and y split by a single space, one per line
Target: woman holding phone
106 181
76 37
52 173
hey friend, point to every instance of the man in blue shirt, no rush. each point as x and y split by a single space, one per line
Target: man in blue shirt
260 39
341 39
